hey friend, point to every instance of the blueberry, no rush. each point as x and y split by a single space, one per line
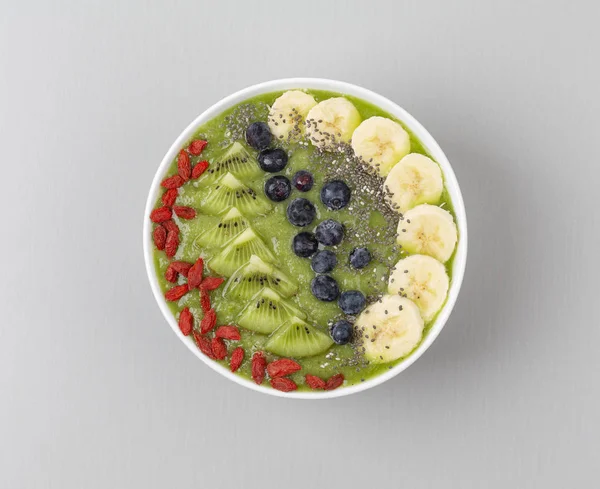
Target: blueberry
278 188
304 244
272 160
258 135
352 302
324 261
324 288
335 195
341 332
301 212
330 232
303 181
360 257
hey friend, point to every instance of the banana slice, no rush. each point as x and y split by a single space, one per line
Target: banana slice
414 180
428 230
331 121
286 117
423 280
393 327
381 143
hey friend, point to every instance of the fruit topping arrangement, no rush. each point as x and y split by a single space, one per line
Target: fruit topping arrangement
301 210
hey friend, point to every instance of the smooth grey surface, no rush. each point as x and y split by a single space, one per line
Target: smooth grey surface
97 392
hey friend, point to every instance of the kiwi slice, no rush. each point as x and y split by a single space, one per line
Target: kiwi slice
248 280
232 224
239 251
235 160
267 311
229 192
296 338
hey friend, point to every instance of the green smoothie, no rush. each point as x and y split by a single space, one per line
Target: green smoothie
362 230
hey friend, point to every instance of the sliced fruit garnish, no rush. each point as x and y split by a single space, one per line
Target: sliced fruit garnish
239 251
391 328
229 192
423 280
415 180
381 143
231 225
248 280
428 230
286 117
267 311
296 338
235 160
331 121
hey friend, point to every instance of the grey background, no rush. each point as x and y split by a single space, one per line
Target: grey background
97 392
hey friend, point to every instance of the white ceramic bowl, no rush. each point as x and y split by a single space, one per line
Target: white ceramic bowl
344 88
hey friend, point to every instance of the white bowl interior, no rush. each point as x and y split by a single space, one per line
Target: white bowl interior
344 88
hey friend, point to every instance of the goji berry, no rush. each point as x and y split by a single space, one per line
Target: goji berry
211 283
208 321
283 384
334 382
197 146
195 273
171 244
228 333
169 197
161 214
219 348
171 274
171 226
172 182
159 235
204 301
184 212
181 267
259 366
237 357
184 167
186 321
176 292
282 367
199 169
204 345
314 382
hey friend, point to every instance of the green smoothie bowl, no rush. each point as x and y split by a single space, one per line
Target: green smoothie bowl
305 238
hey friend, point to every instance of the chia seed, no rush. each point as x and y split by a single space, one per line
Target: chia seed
236 123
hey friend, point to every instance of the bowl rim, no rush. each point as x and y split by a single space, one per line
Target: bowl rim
343 88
